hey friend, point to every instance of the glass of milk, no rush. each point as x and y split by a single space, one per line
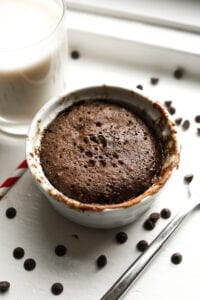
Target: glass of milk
33 59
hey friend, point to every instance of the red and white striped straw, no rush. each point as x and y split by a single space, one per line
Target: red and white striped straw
10 181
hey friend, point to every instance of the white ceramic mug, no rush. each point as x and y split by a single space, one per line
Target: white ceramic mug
108 215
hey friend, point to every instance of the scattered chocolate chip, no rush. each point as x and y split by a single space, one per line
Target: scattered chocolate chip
171 110
165 213
149 225
11 212
121 237
101 261
29 264
75 54
154 80
57 288
18 252
139 86
197 119
178 73
60 250
142 245
168 103
188 178
198 131
186 124
154 217
178 121
176 258
4 286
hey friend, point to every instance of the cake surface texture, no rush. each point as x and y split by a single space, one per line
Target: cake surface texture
99 152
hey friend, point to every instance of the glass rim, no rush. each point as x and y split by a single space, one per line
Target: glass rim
43 39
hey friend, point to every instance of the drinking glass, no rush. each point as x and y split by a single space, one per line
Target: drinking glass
33 59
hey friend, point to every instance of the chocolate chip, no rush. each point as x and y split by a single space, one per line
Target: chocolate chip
60 250
171 110
154 80
186 124
121 237
142 245
11 212
168 103
29 264
101 261
4 286
165 213
149 225
178 73
139 86
178 121
57 288
75 54
197 119
18 252
154 217
176 258
198 131
188 178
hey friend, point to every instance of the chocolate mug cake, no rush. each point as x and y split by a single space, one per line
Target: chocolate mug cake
100 152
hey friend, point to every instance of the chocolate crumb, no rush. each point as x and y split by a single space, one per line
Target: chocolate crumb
75 54
168 103
18 252
142 245
101 261
197 119
176 258
188 178
198 131
186 124
60 250
165 213
149 225
139 86
154 80
178 121
121 237
11 212
171 110
57 288
154 217
4 286
178 73
29 264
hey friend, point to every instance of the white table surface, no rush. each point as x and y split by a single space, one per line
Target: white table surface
38 228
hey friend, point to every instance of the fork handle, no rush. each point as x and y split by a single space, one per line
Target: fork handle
138 266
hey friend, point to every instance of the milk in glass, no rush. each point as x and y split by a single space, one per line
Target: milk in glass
33 57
